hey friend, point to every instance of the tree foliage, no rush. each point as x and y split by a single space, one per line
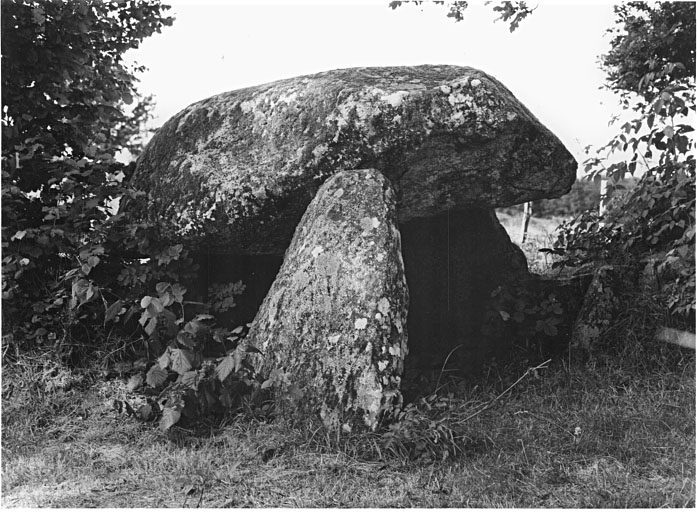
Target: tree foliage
70 104
652 48
511 12
651 67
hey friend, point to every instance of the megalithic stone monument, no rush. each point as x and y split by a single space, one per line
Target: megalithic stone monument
232 176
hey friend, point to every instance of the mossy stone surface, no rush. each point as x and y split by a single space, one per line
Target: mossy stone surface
235 172
334 322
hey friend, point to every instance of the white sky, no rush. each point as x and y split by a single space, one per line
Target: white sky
550 62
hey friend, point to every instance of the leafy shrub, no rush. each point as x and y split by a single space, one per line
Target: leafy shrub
69 106
651 67
654 224
530 315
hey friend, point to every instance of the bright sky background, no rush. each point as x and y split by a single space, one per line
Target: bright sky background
550 62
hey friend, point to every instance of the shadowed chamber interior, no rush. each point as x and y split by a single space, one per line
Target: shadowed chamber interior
452 262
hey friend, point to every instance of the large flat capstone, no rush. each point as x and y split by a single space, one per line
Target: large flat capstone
234 173
332 328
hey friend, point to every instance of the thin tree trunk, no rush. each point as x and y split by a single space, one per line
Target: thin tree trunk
527 213
603 196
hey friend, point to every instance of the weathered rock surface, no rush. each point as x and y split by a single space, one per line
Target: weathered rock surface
334 322
235 172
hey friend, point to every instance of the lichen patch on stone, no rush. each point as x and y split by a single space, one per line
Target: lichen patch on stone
395 99
317 251
384 306
369 397
360 323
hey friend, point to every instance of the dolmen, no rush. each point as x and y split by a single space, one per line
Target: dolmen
358 207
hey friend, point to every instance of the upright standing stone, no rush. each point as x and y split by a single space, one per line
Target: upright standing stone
334 322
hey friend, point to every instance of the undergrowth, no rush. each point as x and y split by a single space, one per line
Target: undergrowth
572 433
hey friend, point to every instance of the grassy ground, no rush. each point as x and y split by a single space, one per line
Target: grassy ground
611 432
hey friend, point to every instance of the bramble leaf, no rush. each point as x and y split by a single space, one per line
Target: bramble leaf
156 376
169 418
112 311
191 379
225 367
164 360
134 383
162 287
181 360
150 326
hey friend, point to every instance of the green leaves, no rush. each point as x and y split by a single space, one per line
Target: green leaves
657 217
169 254
226 367
192 379
235 361
170 293
514 11
180 360
222 296
169 418
156 376
83 291
527 313
73 268
64 89
113 311
653 48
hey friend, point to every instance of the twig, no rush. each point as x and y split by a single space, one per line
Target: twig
444 365
201 497
489 404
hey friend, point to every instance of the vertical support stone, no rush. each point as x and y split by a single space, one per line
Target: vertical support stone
332 329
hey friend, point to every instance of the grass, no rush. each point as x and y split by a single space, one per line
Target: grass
611 432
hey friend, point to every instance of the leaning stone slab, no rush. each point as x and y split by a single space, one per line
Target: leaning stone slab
332 329
235 172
